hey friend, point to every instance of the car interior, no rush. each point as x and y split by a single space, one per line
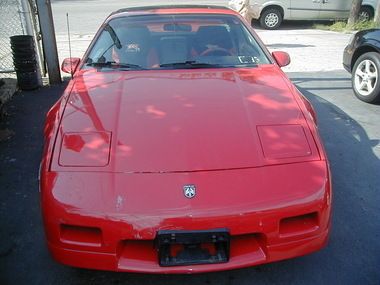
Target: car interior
155 44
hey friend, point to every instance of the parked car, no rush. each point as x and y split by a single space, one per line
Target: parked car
180 146
272 13
361 58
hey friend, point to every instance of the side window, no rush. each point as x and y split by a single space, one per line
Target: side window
248 45
102 47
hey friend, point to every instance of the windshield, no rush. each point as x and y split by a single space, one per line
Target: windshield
175 41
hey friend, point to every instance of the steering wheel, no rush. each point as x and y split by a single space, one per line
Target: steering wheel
216 51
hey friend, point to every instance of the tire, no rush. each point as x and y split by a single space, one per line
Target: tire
271 19
365 14
366 77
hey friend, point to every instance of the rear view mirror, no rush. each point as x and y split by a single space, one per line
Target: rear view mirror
70 65
282 58
177 27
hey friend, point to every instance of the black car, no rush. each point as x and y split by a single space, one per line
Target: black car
362 59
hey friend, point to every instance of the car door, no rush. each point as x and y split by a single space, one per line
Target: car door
305 9
334 9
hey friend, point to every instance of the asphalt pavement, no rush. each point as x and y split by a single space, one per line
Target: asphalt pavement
351 133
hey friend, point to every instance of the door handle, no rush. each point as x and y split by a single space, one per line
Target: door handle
316 1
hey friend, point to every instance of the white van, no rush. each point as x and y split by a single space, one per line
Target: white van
271 13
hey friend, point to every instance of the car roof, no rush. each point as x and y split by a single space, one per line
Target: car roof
169 9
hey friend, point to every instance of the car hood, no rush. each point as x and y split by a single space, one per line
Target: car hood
181 120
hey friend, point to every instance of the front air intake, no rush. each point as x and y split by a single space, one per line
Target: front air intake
78 235
299 225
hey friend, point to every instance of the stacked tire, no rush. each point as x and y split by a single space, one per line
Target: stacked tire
25 62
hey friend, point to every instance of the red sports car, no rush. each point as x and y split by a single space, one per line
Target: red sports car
180 146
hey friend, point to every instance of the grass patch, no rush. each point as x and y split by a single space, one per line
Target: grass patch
343 27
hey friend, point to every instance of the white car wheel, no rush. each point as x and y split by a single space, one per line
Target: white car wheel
366 77
271 19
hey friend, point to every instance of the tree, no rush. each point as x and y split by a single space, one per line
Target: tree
377 15
354 13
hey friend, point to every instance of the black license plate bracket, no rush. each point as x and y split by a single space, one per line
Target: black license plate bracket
192 244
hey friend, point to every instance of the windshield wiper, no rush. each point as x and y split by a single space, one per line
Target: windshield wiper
191 64
112 64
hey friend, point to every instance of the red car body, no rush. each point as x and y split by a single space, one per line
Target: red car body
120 146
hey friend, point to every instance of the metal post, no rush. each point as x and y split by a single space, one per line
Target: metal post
37 33
26 12
48 40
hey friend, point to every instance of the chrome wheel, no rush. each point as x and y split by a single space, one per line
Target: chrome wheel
364 16
271 20
366 76
366 13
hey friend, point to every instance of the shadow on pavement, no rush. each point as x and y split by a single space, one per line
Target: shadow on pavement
22 256
328 83
293 25
277 46
352 256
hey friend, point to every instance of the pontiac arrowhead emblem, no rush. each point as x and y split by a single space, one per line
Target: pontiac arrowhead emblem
189 191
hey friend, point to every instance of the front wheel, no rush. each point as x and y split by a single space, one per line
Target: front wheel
366 77
365 14
271 19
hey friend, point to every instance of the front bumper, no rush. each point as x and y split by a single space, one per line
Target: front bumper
268 219
245 251
347 58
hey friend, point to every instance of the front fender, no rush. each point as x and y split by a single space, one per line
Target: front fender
368 46
52 121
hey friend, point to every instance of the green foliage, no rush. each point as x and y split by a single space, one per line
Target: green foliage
344 27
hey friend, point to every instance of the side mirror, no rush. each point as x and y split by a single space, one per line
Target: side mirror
70 65
282 58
